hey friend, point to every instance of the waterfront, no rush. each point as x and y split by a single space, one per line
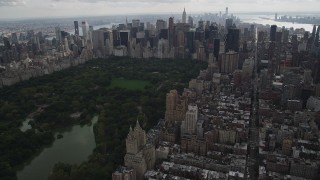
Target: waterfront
268 19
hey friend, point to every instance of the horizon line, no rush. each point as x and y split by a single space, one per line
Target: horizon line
154 13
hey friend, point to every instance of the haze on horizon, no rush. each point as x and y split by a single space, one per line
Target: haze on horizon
11 9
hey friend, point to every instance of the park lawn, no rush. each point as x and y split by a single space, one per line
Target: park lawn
129 84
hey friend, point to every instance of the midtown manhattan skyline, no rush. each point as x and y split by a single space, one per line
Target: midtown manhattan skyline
59 8
133 90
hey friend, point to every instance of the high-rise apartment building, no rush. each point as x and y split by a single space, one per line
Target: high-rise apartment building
176 107
189 125
124 173
102 41
85 29
140 156
229 62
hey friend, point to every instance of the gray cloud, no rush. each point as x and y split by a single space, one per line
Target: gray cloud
12 2
261 1
128 1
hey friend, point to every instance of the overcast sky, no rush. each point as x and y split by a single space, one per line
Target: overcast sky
57 8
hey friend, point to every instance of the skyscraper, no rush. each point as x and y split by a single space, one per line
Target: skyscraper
200 25
227 11
189 125
216 47
184 16
90 28
6 42
124 37
140 156
58 34
228 23
233 40
176 107
14 38
76 28
317 39
285 36
102 41
279 37
171 31
229 62
85 29
273 32
190 21
171 22
135 23
189 41
163 34
161 24
313 35
260 36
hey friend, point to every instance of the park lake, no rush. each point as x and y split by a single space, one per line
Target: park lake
74 147
76 144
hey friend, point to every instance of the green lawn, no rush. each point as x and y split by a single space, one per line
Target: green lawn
129 84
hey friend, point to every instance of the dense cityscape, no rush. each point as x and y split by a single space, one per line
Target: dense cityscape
252 113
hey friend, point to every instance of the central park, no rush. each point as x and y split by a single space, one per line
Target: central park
117 90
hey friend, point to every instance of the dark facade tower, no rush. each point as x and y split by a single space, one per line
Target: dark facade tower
273 32
313 35
279 37
261 36
171 32
76 28
233 40
124 38
294 40
164 34
189 41
216 46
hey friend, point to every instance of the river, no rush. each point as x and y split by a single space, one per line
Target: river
75 147
268 19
